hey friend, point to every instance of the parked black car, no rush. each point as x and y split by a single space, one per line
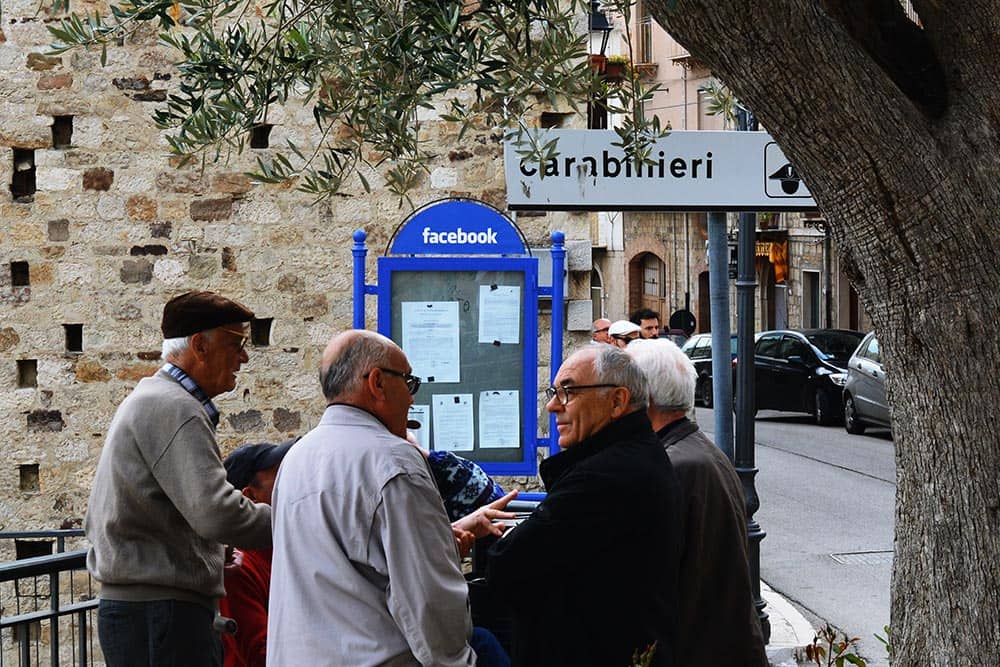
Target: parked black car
865 403
803 371
699 349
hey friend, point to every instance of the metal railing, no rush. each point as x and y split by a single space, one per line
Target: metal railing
52 598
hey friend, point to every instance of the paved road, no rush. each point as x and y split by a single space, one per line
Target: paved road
827 504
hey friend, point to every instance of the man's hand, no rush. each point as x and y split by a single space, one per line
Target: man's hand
464 540
481 522
233 560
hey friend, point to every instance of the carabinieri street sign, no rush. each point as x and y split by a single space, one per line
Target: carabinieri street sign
704 171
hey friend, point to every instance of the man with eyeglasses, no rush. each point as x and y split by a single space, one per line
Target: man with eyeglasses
590 577
599 332
623 332
160 508
365 569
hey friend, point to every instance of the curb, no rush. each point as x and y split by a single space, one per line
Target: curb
790 631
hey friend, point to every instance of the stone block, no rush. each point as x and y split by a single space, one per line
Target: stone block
201 267
98 178
579 315
248 420
578 256
8 339
232 183
136 271
159 230
135 372
310 305
42 273
55 81
291 282
58 230
169 271
140 207
89 370
181 181
42 63
287 421
57 178
212 209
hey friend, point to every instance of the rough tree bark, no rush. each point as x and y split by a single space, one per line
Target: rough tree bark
895 129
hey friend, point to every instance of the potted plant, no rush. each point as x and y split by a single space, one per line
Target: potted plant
616 67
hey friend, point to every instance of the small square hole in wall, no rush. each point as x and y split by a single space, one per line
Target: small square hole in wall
22 184
260 331
28 477
551 119
260 136
27 373
74 337
19 276
32 548
62 131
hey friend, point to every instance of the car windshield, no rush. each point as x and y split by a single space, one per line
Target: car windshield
835 345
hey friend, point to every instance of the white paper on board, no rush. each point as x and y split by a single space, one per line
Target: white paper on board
453 428
500 314
430 339
499 419
422 414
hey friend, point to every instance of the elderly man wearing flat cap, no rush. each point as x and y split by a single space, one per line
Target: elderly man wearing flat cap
161 509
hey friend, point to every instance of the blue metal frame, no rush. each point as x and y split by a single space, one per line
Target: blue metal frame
529 393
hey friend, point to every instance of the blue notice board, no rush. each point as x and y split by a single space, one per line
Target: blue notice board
458 291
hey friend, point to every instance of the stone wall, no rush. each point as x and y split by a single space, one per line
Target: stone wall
98 229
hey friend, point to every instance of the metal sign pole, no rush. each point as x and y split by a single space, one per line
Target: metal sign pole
722 377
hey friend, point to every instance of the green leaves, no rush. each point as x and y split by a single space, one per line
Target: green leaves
371 72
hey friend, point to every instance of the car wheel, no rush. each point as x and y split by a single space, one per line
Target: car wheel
707 396
851 421
823 408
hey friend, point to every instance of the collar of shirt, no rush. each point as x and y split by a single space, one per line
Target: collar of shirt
192 388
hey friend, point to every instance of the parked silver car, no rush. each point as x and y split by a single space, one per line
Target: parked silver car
864 392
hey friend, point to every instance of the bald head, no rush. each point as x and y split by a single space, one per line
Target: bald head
368 371
347 357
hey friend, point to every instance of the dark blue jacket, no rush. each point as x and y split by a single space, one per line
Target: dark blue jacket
591 576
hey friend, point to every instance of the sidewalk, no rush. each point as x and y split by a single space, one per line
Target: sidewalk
790 631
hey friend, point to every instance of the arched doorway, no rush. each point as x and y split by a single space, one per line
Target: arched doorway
597 292
647 282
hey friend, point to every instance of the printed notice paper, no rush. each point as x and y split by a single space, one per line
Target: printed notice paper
422 414
499 419
453 428
499 314
430 339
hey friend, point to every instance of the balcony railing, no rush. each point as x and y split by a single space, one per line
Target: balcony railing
47 606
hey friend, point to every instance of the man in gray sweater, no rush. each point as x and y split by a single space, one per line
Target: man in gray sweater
160 508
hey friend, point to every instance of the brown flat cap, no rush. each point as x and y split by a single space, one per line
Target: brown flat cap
192 312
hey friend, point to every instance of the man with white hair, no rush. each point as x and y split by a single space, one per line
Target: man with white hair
591 576
715 589
160 508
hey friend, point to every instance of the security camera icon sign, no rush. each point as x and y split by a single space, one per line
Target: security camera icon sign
781 179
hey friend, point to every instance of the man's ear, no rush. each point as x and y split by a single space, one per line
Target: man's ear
620 399
376 383
199 345
248 492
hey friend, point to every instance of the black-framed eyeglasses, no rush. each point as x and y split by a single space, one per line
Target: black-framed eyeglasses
244 339
563 392
412 381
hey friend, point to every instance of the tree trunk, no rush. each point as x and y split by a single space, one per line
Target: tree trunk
895 129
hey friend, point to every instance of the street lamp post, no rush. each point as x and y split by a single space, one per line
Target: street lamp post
744 459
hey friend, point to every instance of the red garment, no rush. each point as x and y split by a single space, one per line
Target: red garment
247 589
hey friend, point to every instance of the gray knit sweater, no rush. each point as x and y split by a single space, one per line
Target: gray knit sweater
160 507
